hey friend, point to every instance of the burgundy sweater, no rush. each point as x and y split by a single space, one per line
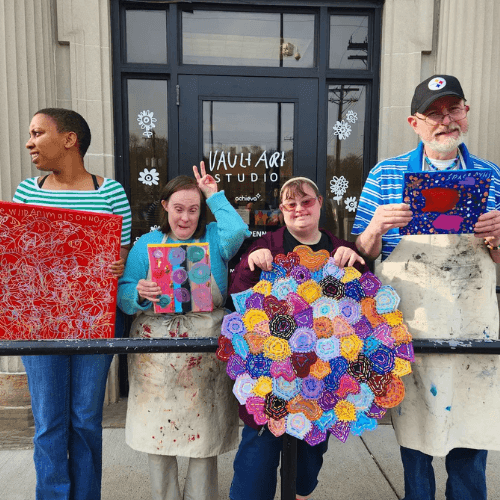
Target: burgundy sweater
242 278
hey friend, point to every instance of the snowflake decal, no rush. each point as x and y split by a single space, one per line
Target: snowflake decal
351 116
146 121
149 177
153 228
342 129
351 204
338 186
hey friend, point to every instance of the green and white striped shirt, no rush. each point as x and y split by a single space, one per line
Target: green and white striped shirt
110 198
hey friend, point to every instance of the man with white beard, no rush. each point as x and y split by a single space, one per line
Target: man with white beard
447 289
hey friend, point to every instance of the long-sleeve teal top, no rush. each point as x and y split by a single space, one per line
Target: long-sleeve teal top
224 237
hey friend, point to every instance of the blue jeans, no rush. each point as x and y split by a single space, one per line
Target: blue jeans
256 464
466 469
67 395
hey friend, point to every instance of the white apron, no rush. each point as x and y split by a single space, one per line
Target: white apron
181 403
447 289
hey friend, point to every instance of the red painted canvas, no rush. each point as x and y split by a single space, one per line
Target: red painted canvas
54 281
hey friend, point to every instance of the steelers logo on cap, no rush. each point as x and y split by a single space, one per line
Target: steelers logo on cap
437 83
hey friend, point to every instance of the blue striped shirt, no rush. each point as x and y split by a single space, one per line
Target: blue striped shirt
385 185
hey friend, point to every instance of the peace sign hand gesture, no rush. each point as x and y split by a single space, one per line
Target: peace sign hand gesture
206 182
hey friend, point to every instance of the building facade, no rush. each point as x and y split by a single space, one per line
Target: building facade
260 90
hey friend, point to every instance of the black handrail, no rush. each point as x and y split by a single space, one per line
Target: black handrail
156 345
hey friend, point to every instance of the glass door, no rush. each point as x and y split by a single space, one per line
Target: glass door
253 134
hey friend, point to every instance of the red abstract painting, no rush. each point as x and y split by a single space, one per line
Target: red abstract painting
54 278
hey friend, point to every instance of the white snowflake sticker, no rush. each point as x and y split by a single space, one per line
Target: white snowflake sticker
351 204
149 177
153 228
342 129
146 121
338 186
351 116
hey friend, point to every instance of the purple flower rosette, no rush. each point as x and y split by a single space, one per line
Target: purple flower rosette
350 310
331 269
315 436
235 366
232 324
303 340
370 284
300 274
311 387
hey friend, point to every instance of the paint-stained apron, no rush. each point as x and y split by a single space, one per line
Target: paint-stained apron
447 289
180 404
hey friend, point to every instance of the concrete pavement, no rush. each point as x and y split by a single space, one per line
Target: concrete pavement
364 468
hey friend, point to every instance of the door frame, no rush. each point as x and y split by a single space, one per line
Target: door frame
303 92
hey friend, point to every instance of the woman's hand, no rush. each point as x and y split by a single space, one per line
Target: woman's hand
117 267
345 256
261 258
206 182
148 290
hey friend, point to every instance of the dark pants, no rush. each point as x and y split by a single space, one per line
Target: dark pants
466 474
256 465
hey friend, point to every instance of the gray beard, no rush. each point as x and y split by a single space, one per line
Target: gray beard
447 146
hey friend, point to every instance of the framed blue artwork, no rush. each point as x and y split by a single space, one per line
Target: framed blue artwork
446 202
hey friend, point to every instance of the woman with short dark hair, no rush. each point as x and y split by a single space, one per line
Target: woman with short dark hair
67 391
182 404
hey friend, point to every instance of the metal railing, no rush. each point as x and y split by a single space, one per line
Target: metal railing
176 345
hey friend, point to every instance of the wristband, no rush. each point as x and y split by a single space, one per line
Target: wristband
489 246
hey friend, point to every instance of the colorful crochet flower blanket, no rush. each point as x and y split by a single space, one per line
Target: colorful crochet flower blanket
314 348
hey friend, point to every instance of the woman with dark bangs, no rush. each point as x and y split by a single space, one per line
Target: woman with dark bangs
182 404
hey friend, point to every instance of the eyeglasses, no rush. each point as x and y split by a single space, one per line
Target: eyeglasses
290 206
455 114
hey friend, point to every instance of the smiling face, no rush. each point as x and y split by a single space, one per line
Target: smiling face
183 209
47 146
301 212
441 139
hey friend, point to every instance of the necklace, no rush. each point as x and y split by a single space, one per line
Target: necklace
449 167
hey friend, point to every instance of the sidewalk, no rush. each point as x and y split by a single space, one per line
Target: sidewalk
364 468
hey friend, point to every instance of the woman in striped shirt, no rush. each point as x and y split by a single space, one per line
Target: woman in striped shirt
67 391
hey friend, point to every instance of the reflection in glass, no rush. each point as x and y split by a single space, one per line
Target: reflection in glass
248 39
248 148
146 36
349 42
148 150
344 171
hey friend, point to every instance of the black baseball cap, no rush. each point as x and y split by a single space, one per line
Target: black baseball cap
433 88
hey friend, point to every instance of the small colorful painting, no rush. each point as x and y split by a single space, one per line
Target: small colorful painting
54 278
316 349
448 202
182 270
